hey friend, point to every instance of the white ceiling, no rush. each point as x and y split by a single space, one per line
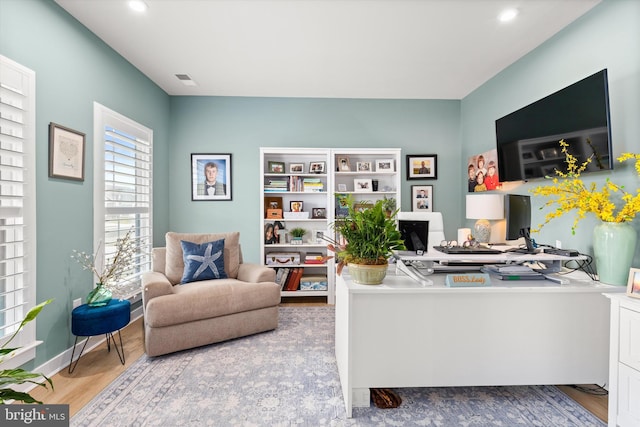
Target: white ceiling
403 49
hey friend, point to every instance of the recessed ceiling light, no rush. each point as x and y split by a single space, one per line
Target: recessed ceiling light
507 15
138 5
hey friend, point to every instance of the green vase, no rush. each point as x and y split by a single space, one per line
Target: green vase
614 244
99 296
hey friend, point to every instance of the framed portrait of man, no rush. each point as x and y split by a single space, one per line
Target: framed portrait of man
210 176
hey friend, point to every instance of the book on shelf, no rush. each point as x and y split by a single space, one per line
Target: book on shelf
314 258
293 280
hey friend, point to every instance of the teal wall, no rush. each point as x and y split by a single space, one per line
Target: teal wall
73 69
606 37
241 125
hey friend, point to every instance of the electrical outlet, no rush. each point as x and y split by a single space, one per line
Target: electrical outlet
558 244
77 302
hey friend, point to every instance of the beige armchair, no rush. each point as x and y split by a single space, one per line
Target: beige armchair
181 316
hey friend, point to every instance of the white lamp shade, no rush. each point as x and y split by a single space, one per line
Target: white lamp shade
485 206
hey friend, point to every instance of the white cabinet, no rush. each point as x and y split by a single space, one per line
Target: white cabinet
295 186
367 174
624 362
298 188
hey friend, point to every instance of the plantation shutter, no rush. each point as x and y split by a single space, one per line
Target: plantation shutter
17 202
125 202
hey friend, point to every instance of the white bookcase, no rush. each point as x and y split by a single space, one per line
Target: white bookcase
289 176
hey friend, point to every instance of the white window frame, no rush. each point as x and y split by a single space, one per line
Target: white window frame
103 118
18 123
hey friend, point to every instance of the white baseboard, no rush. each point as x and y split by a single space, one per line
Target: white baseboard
62 361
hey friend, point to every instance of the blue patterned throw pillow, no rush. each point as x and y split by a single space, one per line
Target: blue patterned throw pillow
203 261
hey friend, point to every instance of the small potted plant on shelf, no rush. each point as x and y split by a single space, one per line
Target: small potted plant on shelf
389 205
297 234
370 236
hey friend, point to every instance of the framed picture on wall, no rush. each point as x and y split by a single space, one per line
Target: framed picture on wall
422 166
210 177
422 198
66 153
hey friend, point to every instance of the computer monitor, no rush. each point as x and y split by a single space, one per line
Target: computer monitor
415 234
517 211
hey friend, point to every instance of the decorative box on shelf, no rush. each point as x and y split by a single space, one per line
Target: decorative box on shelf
296 215
282 258
313 283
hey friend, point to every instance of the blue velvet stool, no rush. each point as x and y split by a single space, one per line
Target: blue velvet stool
89 321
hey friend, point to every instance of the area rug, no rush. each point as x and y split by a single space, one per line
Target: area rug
288 377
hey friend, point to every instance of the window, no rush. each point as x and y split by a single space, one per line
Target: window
17 207
123 190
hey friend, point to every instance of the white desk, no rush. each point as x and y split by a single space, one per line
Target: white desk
402 334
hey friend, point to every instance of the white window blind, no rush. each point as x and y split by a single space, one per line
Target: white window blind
17 201
123 190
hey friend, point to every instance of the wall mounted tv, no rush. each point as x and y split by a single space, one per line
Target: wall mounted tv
527 139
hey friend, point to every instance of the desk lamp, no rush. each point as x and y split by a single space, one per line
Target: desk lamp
484 207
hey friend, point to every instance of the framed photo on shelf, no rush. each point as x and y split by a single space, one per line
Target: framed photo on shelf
342 187
273 207
422 166
317 167
66 153
422 198
211 177
318 236
633 285
318 213
296 167
385 165
343 164
364 167
362 185
275 167
295 206
359 207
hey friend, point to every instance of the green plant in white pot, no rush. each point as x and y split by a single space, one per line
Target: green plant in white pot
371 236
297 234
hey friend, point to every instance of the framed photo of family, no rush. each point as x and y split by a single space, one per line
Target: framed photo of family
633 285
210 176
422 166
422 198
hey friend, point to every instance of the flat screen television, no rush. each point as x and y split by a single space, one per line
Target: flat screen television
527 139
517 212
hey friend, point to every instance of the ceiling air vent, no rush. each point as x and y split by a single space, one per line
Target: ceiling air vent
186 79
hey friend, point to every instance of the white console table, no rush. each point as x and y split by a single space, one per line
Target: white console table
403 334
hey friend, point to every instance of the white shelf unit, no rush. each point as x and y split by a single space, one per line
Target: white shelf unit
310 199
282 158
347 182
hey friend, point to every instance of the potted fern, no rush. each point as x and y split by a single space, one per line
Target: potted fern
370 236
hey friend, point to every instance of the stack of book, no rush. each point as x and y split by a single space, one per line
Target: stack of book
314 258
513 272
289 278
276 185
312 185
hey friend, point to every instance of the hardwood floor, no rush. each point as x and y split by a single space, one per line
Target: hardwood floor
98 368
